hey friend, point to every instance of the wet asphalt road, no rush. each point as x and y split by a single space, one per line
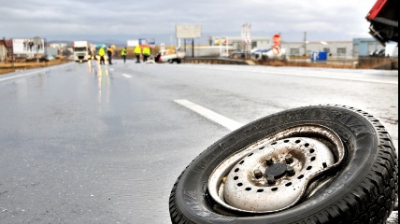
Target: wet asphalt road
80 143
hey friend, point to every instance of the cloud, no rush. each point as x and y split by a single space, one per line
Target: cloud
328 19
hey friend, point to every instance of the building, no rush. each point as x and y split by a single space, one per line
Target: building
364 46
59 46
3 52
5 49
237 42
340 49
336 49
223 46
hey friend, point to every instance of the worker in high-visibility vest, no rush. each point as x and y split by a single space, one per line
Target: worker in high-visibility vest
146 53
138 52
101 54
124 53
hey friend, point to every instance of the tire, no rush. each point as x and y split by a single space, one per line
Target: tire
171 61
359 187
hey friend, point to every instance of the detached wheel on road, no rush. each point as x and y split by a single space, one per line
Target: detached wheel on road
316 164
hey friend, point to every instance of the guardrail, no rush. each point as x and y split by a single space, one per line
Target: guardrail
361 63
378 63
217 61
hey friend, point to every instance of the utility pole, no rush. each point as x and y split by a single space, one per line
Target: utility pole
246 38
5 47
193 48
305 43
38 42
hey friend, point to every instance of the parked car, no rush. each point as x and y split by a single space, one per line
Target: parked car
378 53
257 53
238 54
44 58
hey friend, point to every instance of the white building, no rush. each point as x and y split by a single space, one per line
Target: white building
342 49
3 53
58 45
237 43
335 49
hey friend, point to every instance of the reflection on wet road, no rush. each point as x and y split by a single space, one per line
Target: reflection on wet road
90 143
103 82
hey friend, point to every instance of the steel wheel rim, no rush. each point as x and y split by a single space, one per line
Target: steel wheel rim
243 182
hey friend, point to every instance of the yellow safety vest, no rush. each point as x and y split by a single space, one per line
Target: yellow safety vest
146 51
102 52
123 52
137 50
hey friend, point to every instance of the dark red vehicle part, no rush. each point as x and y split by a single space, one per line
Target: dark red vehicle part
376 9
384 18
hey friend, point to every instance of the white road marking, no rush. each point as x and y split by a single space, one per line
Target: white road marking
30 73
337 77
19 76
323 76
127 76
209 114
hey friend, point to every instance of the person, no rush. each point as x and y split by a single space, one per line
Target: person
101 54
109 54
123 54
146 53
137 52
157 58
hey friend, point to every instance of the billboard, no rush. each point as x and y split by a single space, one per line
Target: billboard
132 43
142 41
147 41
27 46
188 31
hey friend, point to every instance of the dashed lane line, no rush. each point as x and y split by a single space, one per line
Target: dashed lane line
127 76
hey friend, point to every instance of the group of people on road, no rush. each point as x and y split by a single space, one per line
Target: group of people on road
145 52
138 51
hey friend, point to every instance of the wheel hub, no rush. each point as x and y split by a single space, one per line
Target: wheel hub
276 170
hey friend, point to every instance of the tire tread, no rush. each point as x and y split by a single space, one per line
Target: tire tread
371 201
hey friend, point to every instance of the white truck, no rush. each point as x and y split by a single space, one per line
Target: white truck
81 51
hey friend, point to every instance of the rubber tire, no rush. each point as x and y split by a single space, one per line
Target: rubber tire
363 190
171 61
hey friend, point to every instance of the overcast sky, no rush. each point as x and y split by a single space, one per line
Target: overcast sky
324 20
